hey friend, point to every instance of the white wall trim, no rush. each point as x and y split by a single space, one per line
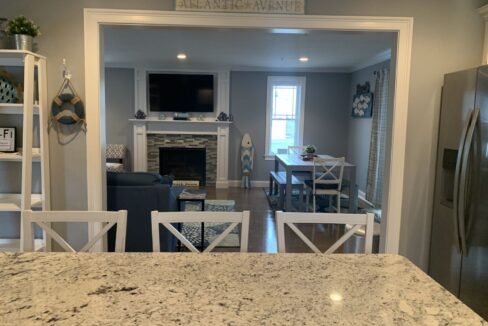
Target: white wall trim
483 11
201 133
94 19
362 196
254 183
380 57
345 70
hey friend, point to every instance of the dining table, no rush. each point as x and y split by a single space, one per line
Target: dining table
222 289
296 163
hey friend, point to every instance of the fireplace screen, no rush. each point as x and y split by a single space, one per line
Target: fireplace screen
188 164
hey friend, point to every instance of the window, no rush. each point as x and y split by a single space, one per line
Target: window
284 115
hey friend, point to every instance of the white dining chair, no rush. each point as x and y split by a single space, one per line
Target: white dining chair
167 218
354 221
326 180
297 150
44 218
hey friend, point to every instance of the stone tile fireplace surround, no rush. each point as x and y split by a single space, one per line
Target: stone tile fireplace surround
151 134
209 142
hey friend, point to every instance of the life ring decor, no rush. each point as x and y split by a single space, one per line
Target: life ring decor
67 109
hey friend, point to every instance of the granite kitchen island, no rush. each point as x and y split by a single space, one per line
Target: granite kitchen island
216 289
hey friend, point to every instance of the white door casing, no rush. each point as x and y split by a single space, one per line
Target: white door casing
94 19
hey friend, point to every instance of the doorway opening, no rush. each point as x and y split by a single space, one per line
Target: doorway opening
401 28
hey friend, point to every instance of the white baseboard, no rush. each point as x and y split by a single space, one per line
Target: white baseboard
254 183
362 196
222 184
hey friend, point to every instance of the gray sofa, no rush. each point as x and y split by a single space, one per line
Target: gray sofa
140 193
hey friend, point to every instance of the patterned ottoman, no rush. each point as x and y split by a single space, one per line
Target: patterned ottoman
220 205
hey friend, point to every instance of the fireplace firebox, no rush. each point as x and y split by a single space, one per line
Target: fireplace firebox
186 164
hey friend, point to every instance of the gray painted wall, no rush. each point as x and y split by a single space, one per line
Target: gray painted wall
325 125
119 108
360 128
441 28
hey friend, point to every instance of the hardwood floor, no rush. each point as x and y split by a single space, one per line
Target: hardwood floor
262 228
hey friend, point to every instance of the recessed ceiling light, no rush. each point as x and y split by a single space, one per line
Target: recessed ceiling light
288 31
303 59
181 56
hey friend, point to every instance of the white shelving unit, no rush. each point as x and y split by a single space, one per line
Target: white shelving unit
15 108
27 156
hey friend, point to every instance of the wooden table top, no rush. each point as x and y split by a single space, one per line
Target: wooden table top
294 160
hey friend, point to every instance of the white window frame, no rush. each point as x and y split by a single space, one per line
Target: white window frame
299 81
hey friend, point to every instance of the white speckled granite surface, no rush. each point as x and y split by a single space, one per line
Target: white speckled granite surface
217 289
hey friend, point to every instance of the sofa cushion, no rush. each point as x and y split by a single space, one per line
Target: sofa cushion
133 179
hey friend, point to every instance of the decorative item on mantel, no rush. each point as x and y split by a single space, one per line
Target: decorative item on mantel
309 152
24 30
362 102
247 160
140 115
223 117
67 110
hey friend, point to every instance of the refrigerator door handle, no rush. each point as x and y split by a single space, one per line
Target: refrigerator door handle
462 182
459 162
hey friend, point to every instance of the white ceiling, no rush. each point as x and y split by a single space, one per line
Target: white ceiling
243 49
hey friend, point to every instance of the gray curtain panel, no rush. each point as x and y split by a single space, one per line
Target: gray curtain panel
378 138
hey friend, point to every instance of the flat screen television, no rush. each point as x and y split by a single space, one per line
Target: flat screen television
180 92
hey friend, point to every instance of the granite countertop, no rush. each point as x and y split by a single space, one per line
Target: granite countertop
226 288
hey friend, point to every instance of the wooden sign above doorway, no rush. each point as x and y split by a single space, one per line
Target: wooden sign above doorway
296 7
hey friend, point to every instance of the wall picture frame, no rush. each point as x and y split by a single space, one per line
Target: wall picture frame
8 139
362 102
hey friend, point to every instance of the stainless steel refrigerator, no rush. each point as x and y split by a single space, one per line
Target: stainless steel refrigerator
459 239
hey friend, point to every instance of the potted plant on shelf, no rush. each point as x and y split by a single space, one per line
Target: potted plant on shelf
310 151
23 30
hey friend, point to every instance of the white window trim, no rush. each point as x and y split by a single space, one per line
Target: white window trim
284 80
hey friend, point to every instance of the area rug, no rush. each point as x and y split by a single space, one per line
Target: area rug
193 231
322 202
273 199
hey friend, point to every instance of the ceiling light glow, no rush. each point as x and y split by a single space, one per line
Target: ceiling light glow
303 59
334 296
181 56
288 31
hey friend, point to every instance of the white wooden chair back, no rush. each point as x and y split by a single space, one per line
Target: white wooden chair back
328 171
296 150
44 218
166 218
356 220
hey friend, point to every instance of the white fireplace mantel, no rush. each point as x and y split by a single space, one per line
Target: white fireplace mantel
143 127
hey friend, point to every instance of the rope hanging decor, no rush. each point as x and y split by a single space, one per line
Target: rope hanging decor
67 108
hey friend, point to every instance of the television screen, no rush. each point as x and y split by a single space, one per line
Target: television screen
180 92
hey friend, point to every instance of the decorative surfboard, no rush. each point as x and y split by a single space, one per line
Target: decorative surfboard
247 159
